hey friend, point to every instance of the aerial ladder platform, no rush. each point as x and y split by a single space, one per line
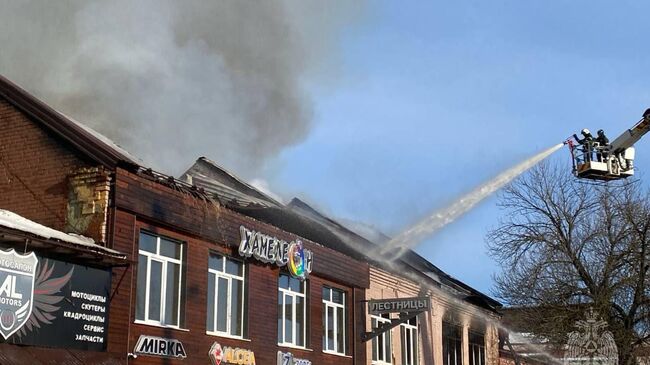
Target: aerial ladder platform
612 161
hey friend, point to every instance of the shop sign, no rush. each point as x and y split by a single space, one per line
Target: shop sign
51 303
230 355
268 249
17 274
158 346
286 358
399 305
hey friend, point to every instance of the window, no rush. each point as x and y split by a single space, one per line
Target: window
409 332
476 348
382 352
225 296
334 320
452 350
160 290
292 311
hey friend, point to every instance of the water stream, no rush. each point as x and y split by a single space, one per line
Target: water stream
414 235
396 247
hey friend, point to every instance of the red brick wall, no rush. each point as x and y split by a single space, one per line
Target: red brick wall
261 305
34 166
183 213
142 204
41 161
120 313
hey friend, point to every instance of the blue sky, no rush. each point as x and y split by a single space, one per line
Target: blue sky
409 104
432 98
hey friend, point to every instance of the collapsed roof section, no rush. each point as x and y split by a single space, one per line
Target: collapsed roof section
303 220
225 186
296 217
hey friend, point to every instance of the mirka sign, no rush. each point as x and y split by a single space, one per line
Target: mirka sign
230 355
268 249
161 347
17 275
399 305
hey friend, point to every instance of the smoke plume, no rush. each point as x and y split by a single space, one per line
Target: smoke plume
174 80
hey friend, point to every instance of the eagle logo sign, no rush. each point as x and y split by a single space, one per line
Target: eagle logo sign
47 296
593 345
17 274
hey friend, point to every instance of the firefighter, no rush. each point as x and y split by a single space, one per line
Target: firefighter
602 139
585 133
646 115
586 142
603 144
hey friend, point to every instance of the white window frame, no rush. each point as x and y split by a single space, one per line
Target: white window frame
410 330
290 293
458 356
382 337
476 350
328 303
229 277
164 260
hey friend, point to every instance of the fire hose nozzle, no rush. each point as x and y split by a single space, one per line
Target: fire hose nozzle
569 142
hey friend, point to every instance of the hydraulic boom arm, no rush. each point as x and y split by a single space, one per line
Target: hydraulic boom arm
633 135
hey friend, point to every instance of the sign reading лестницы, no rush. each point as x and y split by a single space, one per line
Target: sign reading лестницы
398 305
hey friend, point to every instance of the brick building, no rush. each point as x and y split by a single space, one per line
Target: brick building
210 269
189 292
460 328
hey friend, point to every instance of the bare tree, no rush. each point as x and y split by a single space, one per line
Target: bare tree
565 245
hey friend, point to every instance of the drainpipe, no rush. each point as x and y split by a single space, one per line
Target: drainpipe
354 327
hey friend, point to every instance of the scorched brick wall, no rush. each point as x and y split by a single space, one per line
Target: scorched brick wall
204 227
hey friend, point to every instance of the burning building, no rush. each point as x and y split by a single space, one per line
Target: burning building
460 325
200 269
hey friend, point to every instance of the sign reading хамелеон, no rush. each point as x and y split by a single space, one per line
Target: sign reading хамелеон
265 248
398 305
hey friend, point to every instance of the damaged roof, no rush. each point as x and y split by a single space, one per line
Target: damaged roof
225 186
296 217
410 258
300 218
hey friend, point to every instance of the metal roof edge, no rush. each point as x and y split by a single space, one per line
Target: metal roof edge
62 126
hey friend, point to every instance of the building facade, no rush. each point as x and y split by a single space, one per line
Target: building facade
459 328
215 272
451 332
201 283
230 288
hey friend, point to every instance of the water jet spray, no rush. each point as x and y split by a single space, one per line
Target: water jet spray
412 236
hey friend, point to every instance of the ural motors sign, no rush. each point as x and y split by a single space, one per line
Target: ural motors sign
17 274
52 303
293 255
